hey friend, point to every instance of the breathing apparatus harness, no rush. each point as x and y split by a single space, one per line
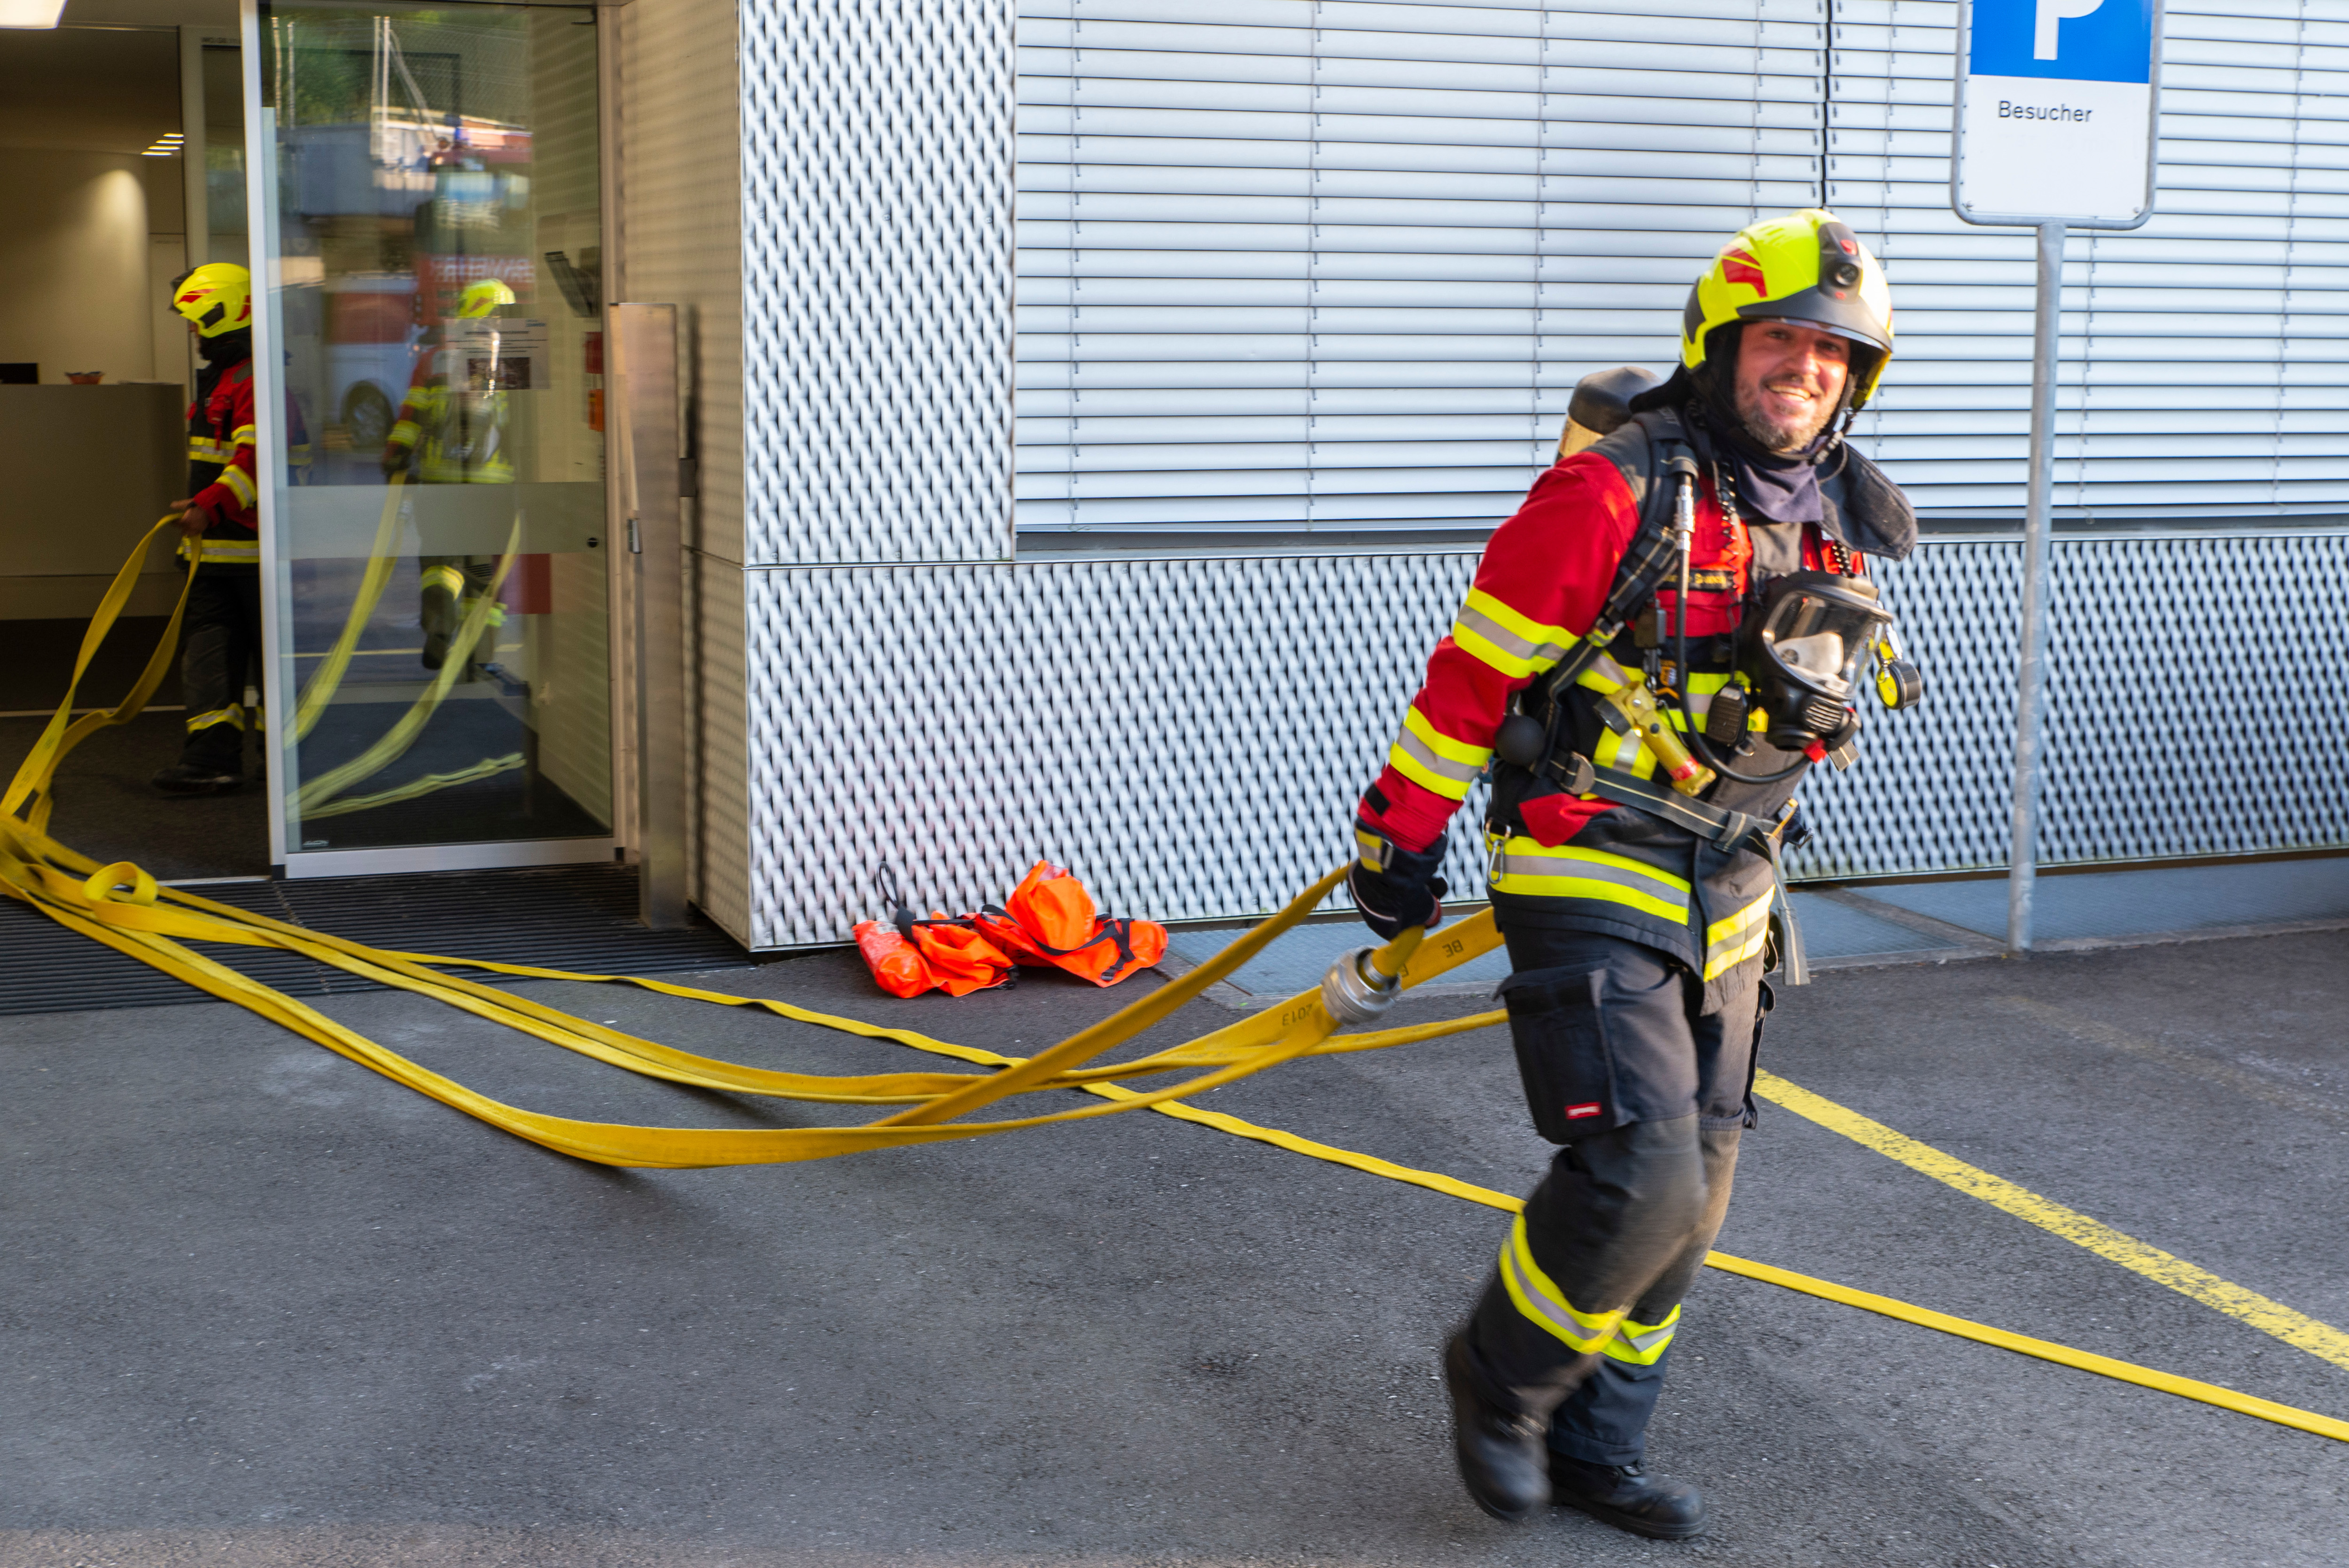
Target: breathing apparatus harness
1798 652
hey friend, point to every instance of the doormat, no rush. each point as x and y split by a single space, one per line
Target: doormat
557 917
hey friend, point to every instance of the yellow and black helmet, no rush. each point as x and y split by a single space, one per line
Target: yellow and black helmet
216 297
1806 266
482 298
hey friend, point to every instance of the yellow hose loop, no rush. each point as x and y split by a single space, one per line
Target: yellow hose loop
104 881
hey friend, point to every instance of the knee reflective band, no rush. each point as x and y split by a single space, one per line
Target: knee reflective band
1644 1344
124 908
1542 1303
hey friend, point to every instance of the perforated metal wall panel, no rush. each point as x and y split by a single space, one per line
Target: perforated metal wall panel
1188 734
1193 733
2153 641
876 246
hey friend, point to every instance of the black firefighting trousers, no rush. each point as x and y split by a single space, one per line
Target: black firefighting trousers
1649 1096
220 643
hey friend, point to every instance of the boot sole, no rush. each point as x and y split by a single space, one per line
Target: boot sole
1631 1523
1497 1513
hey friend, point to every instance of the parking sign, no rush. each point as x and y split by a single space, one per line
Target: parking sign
2055 106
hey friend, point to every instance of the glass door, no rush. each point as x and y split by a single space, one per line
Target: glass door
428 212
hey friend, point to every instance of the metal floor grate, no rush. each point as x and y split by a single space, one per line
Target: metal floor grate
564 917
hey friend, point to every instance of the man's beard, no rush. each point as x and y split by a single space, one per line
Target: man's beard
1784 437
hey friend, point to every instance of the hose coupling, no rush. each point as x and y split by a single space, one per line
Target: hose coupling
1355 993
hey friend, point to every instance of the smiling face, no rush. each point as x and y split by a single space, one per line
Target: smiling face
1790 382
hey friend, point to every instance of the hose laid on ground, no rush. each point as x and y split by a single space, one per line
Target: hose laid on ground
124 907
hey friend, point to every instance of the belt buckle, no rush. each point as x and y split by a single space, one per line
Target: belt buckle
1579 775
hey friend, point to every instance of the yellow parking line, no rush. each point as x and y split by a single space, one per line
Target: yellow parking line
2294 1328
1890 1306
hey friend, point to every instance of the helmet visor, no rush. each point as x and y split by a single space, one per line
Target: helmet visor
1818 309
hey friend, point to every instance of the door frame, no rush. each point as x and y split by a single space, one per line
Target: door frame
278 690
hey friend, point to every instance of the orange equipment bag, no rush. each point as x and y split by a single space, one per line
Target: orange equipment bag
962 959
895 963
909 957
1050 921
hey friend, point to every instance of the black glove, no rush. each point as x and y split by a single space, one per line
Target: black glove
1401 889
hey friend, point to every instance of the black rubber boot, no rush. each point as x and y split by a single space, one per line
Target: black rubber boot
1629 1498
1502 1451
190 779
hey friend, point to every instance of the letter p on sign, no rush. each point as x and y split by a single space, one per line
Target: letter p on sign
2051 12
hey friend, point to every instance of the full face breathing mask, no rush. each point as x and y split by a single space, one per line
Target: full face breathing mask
1800 652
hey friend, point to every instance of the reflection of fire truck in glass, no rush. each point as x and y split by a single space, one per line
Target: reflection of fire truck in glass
371 336
460 187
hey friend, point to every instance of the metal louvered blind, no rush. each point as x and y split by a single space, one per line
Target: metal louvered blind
2206 356
1331 267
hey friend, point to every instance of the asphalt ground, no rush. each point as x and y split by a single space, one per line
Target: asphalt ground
262 1307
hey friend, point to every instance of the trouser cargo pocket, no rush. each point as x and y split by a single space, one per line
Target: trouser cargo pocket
1560 1036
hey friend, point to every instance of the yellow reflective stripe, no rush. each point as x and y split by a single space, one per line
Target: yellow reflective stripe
1529 870
1701 690
241 437
447 577
1643 1343
1432 760
1536 1295
1626 753
404 434
205 451
1514 643
239 484
221 550
1731 941
1603 676
233 714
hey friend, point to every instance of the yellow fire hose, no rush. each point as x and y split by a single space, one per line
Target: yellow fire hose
315 798
124 907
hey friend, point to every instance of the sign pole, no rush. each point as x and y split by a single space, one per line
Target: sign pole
2056 106
2031 676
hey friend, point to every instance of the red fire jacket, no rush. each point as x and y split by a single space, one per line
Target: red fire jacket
1578 861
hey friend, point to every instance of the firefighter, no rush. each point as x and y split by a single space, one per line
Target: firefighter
1658 643
452 426
221 542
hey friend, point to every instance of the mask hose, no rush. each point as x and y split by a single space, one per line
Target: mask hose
1683 535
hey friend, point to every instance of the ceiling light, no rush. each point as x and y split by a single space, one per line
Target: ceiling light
31 12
